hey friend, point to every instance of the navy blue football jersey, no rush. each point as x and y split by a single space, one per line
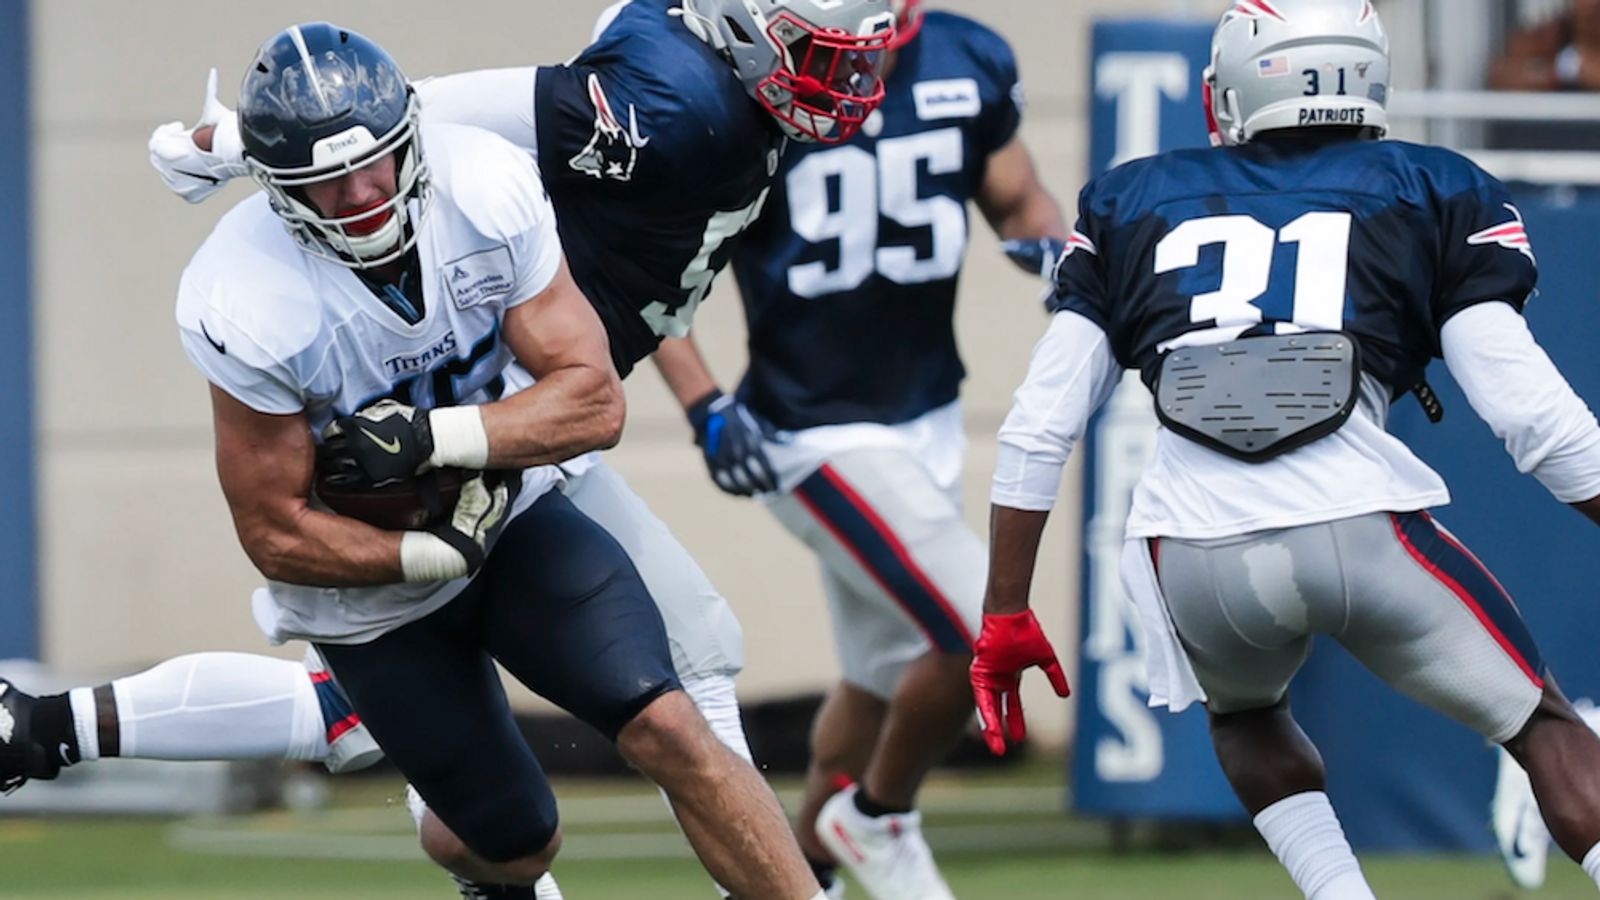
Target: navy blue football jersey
1381 239
654 156
849 278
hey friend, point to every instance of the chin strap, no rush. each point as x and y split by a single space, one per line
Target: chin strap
701 26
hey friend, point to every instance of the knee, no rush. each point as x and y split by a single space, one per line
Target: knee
668 731
449 851
1265 744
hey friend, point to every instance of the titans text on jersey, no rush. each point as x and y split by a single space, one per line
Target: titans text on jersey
655 157
285 332
850 298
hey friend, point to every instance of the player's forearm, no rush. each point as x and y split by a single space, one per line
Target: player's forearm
567 413
1514 387
1013 548
1014 200
684 370
319 549
1035 215
499 100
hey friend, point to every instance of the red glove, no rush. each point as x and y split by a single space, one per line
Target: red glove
1008 645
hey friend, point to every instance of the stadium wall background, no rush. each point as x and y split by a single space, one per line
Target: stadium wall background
135 555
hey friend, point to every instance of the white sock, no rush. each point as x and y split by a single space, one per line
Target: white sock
85 723
219 706
1305 835
1591 863
717 700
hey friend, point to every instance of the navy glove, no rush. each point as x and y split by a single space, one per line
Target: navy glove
385 443
1036 256
731 437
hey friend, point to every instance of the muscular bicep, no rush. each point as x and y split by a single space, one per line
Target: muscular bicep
557 329
1013 198
576 403
265 463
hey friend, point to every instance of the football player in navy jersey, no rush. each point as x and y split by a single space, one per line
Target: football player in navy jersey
849 285
1277 294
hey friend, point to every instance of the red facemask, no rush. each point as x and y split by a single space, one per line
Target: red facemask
836 80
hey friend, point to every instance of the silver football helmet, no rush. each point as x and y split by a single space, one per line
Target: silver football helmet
815 65
1295 64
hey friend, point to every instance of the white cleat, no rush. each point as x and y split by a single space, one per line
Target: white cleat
835 891
1519 829
546 888
885 853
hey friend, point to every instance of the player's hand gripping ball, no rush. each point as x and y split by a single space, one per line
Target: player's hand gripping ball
373 466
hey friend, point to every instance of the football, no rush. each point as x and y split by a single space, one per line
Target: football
401 506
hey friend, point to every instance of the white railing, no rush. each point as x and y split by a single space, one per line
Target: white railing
1451 110
1495 106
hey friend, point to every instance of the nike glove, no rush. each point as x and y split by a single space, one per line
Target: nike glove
1008 645
190 172
731 438
1036 256
385 443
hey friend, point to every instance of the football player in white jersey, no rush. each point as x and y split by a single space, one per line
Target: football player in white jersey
417 264
704 634
274 709
1276 506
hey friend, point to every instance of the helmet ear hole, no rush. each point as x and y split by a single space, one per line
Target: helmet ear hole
737 32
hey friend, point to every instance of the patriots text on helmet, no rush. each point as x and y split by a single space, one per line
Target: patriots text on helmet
1349 115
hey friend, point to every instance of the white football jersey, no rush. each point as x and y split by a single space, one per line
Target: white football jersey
285 332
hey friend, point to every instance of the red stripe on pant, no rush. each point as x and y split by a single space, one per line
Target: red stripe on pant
1465 596
896 546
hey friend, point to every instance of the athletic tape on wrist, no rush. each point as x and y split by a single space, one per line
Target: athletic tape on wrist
459 438
427 557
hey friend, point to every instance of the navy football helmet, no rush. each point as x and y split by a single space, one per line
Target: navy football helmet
320 102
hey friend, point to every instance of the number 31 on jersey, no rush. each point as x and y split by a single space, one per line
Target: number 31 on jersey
1248 248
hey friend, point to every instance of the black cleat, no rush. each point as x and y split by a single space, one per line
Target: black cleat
21 757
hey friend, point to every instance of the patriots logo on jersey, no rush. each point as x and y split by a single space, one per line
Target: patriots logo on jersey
613 151
1075 242
1512 235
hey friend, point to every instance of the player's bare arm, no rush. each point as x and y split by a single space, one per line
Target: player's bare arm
1014 200
577 405
684 370
1014 547
266 464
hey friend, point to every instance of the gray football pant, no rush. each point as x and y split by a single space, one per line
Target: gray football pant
1401 594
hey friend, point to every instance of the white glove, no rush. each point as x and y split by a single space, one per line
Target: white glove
190 172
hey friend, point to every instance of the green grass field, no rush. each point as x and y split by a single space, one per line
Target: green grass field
998 838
